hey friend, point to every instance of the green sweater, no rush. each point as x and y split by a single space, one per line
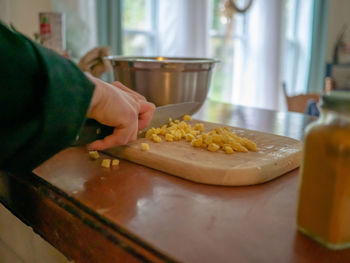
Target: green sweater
43 102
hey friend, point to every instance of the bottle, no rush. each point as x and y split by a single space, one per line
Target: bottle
52 31
324 190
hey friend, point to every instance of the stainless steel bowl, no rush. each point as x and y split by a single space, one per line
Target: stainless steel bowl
165 80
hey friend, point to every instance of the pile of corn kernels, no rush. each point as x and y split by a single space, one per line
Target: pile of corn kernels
221 138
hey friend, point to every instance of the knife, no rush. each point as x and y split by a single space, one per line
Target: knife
93 130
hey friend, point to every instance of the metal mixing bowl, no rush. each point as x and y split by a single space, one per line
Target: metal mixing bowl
165 80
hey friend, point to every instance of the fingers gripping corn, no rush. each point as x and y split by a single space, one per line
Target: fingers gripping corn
220 138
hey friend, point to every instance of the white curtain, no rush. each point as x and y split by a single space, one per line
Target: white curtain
303 50
257 75
184 30
81 25
184 27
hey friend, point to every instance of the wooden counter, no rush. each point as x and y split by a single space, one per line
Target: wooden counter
133 213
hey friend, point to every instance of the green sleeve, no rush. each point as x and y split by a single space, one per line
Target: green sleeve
43 102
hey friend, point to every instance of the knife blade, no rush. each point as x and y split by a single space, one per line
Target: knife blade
93 130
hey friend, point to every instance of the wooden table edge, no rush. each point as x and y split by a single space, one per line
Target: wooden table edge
38 193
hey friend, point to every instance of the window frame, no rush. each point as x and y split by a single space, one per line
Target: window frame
292 49
151 34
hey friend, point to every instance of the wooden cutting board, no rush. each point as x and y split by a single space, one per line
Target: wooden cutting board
276 156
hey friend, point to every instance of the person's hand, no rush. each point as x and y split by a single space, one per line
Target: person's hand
144 116
119 107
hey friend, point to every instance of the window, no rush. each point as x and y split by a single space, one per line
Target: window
297 45
251 69
140 38
139 27
229 49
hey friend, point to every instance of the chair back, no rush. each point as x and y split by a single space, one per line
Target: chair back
298 103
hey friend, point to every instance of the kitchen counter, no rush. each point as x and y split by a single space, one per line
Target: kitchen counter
132 213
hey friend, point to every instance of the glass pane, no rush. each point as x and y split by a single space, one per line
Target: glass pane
136 14
229 52
220 21
136 45
138 25
217 13
222 78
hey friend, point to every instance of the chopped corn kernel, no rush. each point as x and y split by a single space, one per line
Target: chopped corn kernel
199 127
217 139
211 133
250 145
157 131
144 146
169 137
189 137
182 125
94 155
177 135
218 130
106 163
183 133
156 138
149 132
228 149
213 147
187 118
194 132
238 147
115 162
208 140
204 145
163 130
197 142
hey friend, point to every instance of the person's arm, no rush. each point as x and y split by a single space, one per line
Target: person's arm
45 99
43 102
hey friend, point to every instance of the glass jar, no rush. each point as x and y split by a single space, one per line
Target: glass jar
324 193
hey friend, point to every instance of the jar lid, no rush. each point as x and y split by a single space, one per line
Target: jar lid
336 100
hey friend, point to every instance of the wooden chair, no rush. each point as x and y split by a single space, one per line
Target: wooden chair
298 103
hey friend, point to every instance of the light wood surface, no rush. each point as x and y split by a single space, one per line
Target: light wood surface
276 156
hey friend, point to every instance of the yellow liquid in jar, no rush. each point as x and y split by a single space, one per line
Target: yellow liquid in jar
324 196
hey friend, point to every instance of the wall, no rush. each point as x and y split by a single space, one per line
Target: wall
81 25
23 14
339 14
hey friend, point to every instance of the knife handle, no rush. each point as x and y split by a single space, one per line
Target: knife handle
92 131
